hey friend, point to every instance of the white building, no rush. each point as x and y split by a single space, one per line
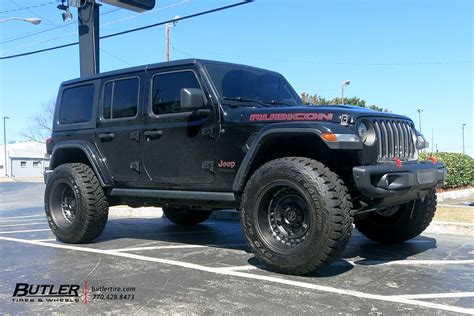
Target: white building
26 159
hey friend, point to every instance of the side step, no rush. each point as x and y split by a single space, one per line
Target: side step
177 195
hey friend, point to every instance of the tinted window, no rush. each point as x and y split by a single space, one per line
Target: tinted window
76 104
249 83
120 98
167 88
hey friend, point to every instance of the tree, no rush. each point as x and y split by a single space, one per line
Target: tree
318 100
42 123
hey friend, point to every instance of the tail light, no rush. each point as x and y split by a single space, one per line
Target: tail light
49 145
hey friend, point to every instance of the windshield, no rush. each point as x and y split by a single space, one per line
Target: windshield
248 84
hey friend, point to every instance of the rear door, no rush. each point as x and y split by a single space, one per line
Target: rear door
119 126
178 147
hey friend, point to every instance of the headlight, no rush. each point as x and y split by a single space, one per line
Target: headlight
366 132
362 130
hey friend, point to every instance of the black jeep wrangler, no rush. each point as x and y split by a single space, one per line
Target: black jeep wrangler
196 136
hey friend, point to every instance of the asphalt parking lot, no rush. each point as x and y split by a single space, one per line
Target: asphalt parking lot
206 269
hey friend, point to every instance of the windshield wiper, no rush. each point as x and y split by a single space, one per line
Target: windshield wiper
274 102
240 99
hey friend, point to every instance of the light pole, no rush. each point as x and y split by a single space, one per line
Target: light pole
167 34
345 83
5 142
34 21
463 124
419 117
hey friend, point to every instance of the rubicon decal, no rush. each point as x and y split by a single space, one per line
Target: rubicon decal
292 117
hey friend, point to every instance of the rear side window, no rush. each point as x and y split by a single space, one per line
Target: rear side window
76 104
167 88
120 98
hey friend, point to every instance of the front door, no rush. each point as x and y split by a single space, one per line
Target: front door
178 147
119 127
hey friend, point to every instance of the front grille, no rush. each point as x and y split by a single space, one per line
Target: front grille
394 139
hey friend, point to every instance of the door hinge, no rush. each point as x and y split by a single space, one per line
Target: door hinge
135 165
208 166
135 136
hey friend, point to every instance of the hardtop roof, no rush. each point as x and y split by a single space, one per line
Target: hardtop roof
181 62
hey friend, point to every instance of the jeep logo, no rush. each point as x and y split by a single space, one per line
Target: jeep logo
226 164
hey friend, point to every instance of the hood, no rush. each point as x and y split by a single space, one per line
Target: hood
331 113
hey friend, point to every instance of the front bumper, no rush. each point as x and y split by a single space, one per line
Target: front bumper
410 180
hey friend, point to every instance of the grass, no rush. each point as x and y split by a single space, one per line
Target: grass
455 214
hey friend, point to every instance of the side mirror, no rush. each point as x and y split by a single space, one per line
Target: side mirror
192 99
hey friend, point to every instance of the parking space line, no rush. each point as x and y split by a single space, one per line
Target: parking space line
410 262
20 220
177 247
50 239
24 224
238 268
24 216
436 295
158 247
270 279
26 231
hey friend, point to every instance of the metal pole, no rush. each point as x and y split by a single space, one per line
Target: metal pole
88 16
167 33
432 138
5 142
463 138
342 94
419 117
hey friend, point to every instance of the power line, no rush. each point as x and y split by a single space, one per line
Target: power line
132 30
50 29
101 26
29 7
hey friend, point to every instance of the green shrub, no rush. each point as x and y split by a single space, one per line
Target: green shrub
460 168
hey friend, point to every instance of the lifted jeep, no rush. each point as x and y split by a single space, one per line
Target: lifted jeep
196 136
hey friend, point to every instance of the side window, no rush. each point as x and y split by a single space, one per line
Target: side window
23 164
76 104
120 98
167 88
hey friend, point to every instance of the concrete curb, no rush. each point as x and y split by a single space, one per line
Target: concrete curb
455 194
451 228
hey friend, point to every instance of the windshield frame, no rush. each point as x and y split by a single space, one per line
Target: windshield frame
224 100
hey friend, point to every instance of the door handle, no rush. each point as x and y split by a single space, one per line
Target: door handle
153 134
106 136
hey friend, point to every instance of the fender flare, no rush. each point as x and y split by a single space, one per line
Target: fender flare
96 160
265 134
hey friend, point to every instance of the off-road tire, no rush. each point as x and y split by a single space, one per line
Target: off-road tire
409 221
186 217
328 214
91 206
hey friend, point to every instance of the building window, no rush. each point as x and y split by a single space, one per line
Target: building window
1 166
36 164
23 164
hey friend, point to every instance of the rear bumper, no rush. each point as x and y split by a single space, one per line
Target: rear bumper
405 182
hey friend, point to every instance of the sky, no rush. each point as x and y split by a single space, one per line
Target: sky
402 55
